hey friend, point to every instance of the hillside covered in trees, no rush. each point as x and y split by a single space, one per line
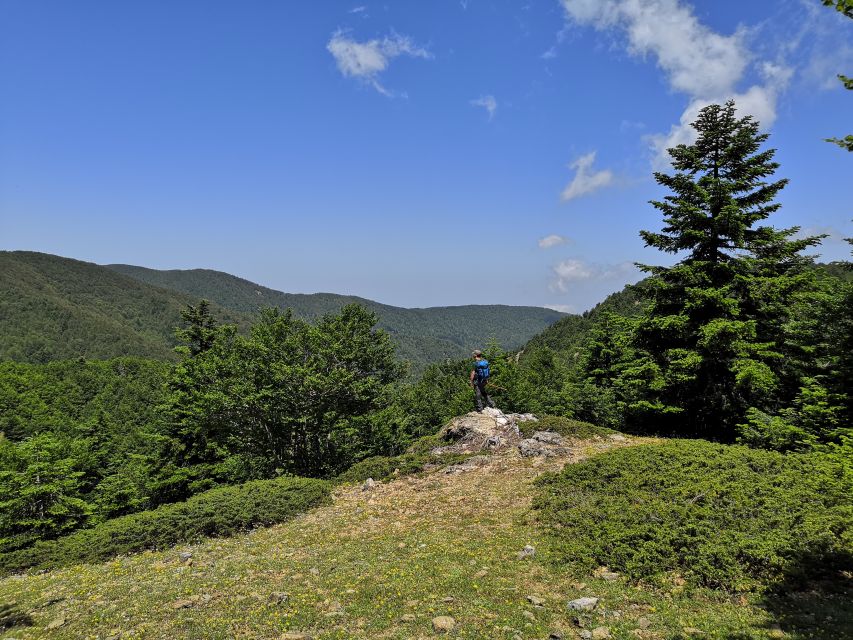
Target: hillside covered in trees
53 307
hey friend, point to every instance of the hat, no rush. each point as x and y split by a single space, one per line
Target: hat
476 353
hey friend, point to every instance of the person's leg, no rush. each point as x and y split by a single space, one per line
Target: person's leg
478 396
489 401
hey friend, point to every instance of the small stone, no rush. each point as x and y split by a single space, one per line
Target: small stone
185 555
278 597
527 552
644 623
586 634
182 604
600 633
369 484
529 615
617 437
408 617
582 604
536 602
449 599
295 635
55 624
443 624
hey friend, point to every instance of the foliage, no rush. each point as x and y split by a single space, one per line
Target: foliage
564 426
416 459
845 8
220 512
719 515
290 397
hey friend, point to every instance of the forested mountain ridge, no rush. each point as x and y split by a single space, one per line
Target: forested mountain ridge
422 335
53 307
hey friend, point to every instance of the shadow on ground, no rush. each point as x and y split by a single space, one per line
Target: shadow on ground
11 616
815 599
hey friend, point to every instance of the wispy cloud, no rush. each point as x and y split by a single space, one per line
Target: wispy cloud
552 240
576 270
367 60
697 61
488 103
360 9
585 180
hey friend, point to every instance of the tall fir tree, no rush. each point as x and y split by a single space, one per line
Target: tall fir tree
711 343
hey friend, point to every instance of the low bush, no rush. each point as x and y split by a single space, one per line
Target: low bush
719 516
564 426
414 460
218 512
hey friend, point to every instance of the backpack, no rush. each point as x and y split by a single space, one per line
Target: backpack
481 367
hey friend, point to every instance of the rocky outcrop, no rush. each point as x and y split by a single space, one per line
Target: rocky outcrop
488 430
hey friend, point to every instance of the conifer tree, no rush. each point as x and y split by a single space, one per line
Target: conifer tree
710 344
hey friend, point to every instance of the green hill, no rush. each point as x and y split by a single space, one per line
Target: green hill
53 308
422 335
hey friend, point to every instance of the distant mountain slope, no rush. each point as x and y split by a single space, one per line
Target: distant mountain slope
422 335
569 333
54 308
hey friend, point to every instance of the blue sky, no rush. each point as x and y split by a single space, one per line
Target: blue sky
415 153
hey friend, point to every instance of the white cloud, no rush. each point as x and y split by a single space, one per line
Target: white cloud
697 61
488 103
360 9
575 270
551 241
366 60
562 308
585 182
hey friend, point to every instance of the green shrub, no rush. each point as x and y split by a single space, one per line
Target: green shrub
720 516
218 512
415 460
564 426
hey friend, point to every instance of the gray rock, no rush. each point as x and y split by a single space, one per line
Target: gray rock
582 604
185 555
609 576
617 437
369 484
644 623
555 635
600 633
443 624
586 634
536 602
278 597
408 617
527 552
529 615
529 448
548 437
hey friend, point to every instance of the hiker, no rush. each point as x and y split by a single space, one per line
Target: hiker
479 379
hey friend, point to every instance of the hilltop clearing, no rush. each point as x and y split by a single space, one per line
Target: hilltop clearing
398 559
